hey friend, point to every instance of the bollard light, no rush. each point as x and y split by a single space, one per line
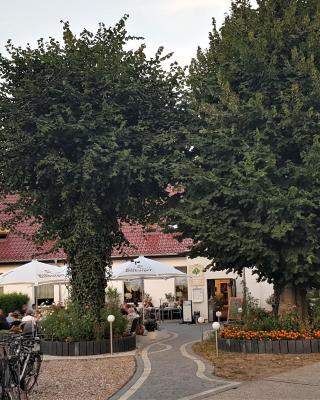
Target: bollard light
218 315
216 327
111 318
200 322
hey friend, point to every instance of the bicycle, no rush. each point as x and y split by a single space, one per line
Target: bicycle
19 366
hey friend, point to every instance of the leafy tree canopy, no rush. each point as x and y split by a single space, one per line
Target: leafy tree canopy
90 135
252 195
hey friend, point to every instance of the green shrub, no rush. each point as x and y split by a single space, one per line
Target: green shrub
12 301
112 297
315 314
74 323
151 325
264 323
291 321
119 325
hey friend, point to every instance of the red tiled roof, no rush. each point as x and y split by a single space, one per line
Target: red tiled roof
151 243
17 248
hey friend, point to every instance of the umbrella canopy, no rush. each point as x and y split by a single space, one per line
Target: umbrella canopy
35 273
145 268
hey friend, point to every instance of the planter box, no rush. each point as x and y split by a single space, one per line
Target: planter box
270 346
88 348
262 346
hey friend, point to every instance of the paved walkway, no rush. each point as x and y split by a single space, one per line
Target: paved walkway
167 369
298 384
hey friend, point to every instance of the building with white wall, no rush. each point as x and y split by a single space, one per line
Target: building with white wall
205 288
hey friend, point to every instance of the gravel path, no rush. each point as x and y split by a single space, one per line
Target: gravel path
83 379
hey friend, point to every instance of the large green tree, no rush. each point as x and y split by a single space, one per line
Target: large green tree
90 134
252 195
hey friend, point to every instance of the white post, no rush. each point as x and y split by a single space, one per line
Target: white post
217 349
60 293
200 322
216 327
111 319
143 302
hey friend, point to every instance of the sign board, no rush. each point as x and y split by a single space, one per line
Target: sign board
196 275
197 281
235 308
187 311
197 295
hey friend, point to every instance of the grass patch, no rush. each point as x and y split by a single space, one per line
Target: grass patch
246 367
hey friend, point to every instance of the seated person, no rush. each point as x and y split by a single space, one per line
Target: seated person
132 313
15 320
148 303
9 318
124 309
28 323
3 322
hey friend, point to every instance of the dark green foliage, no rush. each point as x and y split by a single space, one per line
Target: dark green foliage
252 195
265 323
76 323
151 325
90 134
262 321
10 302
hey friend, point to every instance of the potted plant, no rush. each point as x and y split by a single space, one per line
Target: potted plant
151 325
170 298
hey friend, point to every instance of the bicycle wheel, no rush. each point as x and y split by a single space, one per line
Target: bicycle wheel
12 394
29 379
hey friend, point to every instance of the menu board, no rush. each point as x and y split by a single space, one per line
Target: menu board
235 308
197 295
187 311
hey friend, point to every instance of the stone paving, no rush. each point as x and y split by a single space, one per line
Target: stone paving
167 369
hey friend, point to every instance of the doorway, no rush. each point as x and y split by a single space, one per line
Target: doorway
219 293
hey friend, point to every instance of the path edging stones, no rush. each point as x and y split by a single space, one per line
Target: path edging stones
88 347
270 346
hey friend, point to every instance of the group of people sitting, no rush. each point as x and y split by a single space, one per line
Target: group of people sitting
133 312
20 321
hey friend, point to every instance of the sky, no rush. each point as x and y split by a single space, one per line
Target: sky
178 25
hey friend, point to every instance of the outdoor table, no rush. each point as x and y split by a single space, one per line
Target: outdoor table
163 313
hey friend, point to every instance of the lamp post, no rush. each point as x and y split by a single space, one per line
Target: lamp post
216 327
201 321
111 319
218 315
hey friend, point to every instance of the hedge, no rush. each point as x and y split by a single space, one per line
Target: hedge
10 302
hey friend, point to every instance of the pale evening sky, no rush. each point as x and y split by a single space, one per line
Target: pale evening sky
178 25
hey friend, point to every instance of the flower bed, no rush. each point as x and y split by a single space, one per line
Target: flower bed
239 339
282 334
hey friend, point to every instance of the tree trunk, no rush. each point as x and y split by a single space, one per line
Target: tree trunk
89 253
293 296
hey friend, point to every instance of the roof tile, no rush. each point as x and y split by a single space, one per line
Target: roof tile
17 248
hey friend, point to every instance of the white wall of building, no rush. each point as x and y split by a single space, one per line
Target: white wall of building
157 288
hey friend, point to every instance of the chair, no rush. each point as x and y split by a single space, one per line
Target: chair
28 328
134 326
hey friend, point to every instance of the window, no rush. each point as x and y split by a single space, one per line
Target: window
4 233
133 291
44 293
181 285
